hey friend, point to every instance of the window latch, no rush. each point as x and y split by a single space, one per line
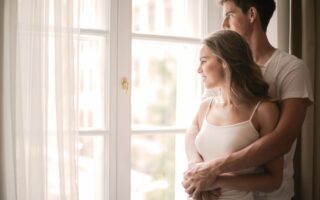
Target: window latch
125 84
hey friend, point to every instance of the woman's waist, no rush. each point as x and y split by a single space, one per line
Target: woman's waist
228 194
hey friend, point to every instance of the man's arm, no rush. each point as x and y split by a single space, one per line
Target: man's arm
267 117
271 146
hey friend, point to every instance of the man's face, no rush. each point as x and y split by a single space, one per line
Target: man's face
235 19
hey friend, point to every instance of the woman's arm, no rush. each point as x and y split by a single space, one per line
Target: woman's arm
266 119
193 156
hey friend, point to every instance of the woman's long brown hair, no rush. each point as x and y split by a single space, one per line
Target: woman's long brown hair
246 80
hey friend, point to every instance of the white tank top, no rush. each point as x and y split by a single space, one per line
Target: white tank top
214 141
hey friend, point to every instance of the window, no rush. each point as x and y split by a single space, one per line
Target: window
94 98
166 91
153 46
135 137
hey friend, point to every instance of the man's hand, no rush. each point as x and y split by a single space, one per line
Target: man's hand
200 177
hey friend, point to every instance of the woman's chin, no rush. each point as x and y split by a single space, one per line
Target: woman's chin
210 86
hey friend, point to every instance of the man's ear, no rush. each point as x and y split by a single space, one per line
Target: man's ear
252 14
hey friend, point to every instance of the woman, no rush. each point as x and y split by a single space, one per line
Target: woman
239 115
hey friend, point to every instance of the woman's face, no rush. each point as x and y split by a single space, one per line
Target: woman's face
210 69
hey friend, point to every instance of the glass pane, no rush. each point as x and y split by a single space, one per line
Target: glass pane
93 80
91 161
94 14
167 17
157 166
165 85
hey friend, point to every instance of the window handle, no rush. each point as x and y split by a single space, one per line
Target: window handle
125 84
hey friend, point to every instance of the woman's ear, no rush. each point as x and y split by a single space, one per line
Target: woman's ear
252 14
224 66
226 71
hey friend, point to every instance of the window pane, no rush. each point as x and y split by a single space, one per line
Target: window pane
93 80
91 161
167 17
157 167
94 14
165 84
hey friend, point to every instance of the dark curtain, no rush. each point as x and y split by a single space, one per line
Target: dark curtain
305 44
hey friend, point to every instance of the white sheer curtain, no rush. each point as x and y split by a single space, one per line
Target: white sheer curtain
39 100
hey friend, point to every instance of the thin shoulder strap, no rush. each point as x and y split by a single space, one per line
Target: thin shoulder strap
209 106
254 110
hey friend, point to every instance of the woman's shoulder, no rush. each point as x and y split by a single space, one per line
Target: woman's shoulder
205 103
203 108
267 115
267 106
267 109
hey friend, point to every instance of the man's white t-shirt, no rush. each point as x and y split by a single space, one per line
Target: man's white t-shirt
288 77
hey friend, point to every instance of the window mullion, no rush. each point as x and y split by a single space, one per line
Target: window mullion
174 39
93 132
94 32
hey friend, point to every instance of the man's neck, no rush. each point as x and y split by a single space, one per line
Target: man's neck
261 48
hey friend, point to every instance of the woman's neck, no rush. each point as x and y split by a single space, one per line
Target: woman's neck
225 99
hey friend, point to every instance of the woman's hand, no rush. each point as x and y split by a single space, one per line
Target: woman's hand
198 178
210 195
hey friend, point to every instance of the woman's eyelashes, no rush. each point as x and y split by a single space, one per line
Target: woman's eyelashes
202 61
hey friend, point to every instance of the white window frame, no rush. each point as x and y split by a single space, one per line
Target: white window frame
117 137
117 141
211 23
118 145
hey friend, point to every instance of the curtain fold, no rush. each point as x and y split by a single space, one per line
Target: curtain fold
40 94
7 150
295 41
2 174
315 6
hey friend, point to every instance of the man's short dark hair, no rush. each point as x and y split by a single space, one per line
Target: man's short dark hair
265 9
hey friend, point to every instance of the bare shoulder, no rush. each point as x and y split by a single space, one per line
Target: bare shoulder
267 116
205 104
202 110
268 108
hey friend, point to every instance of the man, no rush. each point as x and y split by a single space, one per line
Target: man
288 80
